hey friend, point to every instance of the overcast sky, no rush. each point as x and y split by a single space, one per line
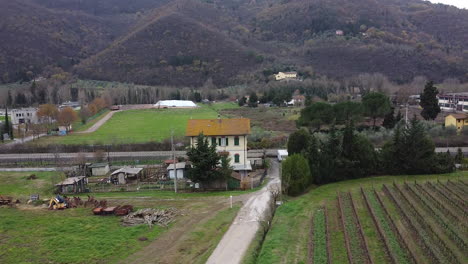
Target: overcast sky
457 3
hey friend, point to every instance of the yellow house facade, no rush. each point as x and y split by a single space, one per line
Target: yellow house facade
229 136
460 121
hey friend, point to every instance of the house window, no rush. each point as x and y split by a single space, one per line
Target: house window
236 141
227 141
213 141
223 142
236 158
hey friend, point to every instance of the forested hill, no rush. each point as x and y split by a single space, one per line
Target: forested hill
187 42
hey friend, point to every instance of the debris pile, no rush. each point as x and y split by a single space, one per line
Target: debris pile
7 200
150 216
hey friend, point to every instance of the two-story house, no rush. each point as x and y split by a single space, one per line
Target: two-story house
229 135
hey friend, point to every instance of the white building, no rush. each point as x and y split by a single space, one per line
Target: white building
180 167
453 102
285 75
175 104
23 116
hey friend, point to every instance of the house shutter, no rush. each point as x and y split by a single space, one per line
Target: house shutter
227 141
213 141
236 141
219 142
236 158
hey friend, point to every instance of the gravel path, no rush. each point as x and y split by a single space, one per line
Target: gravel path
236 241
99 123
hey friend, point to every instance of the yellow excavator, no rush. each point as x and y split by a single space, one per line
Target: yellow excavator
57 203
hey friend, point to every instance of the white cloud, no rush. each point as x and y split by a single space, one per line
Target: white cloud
457 3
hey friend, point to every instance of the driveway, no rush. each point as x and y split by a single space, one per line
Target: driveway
236 241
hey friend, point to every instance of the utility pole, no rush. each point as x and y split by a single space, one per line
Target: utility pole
406 114
174 160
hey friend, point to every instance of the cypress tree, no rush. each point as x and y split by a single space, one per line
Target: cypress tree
429 102
389 120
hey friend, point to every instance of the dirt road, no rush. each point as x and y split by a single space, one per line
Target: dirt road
235 242
98 124
167 248
103 120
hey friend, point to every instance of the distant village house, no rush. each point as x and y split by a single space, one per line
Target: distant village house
460 121
24 116
285 75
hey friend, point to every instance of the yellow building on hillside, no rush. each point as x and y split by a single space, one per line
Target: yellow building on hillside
460 121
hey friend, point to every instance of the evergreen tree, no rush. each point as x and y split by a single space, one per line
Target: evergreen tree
242 101
429 102
298 142
33 89
253 100
295 174
376 105
8 127
398 117
459 157
389 120
9 99
205 160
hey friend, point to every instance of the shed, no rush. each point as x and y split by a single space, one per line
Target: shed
72 185
125 175
180 167
99 169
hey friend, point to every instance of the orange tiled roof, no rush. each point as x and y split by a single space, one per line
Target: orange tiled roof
218 127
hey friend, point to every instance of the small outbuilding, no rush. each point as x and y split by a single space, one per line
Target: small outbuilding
72 185
125 175
180 167
99 169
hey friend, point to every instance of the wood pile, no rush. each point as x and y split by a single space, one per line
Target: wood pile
150 216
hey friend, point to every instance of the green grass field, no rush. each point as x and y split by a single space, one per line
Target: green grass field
138 126
30 234
287 241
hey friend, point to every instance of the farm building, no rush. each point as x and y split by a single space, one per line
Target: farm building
175 104
72 185
125 175
99 169
460 121
180 168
